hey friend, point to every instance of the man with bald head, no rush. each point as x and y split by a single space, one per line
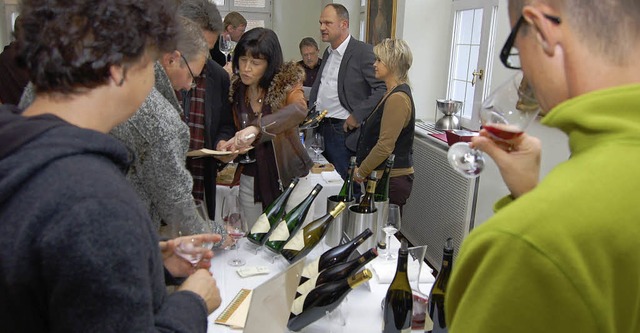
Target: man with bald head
345 86
561 255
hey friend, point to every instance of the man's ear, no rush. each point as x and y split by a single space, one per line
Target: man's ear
547 32
170 59
118 74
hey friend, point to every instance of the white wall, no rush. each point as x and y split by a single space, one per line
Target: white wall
425 25
294 19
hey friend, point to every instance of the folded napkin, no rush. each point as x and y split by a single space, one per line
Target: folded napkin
331 177
385 270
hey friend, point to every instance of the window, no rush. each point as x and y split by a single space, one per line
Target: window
257 12
472 50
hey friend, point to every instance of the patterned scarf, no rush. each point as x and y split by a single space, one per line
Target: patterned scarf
196 130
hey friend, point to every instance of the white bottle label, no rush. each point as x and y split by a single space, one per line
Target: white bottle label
311 269
281 233
262 225
298 305
307 286
296 243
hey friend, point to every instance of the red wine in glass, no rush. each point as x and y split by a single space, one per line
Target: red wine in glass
504 132
504 115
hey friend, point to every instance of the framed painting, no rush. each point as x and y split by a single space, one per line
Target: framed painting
381 20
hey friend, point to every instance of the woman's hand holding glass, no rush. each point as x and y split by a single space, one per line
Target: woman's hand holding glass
241 141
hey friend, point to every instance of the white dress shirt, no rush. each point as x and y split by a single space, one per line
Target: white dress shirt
328 90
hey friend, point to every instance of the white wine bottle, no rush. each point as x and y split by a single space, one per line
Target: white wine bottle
291 222
310 307
271 216
333 256
337 272
437 294
308 237
398 303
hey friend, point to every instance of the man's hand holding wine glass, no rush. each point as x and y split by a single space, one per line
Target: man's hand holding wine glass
519 163
179 266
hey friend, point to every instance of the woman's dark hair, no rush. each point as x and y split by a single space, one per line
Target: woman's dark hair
69 46
260 43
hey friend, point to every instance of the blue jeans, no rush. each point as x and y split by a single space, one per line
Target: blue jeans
335 150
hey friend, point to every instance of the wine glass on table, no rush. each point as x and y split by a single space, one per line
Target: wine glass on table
504 115
390 228
317 144
236 225
244 123
226 46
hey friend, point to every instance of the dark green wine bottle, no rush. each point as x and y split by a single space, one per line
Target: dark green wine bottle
437 294
271 216
325 298
346 192
337 272
398 303
291 222
308 237
333 256
382 187
367 204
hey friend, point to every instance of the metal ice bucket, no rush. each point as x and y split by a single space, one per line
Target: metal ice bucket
336 229
358 222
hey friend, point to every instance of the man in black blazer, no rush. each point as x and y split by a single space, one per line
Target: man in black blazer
346 87
206 107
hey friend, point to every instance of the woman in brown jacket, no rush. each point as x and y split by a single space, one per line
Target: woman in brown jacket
270 94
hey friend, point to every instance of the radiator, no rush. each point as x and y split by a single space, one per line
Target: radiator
442 203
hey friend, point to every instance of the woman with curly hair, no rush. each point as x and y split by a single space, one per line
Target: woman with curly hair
270 94
78 251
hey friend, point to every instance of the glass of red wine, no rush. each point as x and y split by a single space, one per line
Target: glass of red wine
504 115
235 224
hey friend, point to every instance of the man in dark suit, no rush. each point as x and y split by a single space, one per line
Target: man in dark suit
206 107
346 86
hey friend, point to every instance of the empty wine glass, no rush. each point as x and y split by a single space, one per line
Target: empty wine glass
504 114
235 224
244 123
190 245
391 226
317 144
226 46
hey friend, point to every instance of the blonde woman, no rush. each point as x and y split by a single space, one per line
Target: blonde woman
389 129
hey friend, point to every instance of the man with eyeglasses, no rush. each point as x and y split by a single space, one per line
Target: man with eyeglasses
159 139
562 255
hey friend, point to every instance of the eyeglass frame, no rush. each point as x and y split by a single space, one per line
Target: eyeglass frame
193 77
505 53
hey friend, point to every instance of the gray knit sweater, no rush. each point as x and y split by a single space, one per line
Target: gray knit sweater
159 140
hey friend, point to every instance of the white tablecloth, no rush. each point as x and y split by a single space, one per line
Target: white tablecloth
362 308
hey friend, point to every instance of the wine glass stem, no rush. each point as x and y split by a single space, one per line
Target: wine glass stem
388 254
237 250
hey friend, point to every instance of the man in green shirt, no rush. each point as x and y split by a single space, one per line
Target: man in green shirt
563 255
